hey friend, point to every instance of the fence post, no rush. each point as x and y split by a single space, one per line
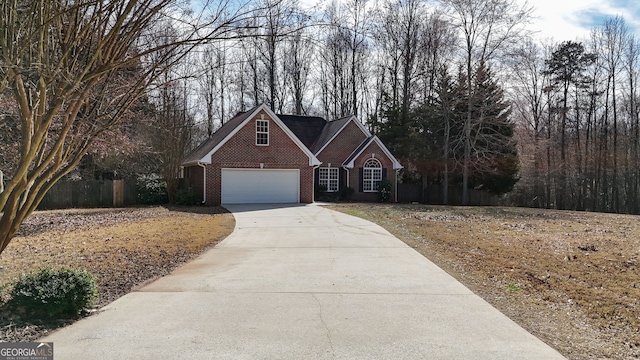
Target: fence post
118 193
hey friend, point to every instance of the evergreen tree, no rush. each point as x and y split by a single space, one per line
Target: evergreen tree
566 67
494 157
400 132
438 124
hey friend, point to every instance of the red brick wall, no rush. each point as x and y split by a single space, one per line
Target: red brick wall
241 151
342 146
354 174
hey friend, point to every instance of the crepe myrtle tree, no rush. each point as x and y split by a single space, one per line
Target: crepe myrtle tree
73 67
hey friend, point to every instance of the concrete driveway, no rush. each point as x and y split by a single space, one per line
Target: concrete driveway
301 282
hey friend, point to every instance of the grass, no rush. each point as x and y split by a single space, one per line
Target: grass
122 248
570 278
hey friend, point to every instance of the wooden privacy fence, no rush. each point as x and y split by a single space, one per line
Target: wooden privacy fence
90 193
432 194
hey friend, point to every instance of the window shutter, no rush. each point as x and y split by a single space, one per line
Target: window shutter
360 176
316 176
341 179
384 173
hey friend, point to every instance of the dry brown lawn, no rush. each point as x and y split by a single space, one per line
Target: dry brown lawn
570 278
122 248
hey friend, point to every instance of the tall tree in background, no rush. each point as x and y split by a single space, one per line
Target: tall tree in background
213 82
566 68
344 50
615 34
399 34
171 131
277 24
632 67
414 42
439 125
486 28
528 89
495 162
298 62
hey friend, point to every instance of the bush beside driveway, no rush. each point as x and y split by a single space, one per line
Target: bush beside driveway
122 248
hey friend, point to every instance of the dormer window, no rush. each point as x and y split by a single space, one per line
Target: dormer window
262 132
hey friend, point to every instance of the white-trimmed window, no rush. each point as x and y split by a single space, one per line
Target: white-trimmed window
371 175
262 132
328 177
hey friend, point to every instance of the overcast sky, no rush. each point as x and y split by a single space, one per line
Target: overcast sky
571 19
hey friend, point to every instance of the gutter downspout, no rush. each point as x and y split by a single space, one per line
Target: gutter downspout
397 171
314 181
347 170
204 182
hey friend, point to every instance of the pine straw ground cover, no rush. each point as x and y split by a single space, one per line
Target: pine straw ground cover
570 278
122 248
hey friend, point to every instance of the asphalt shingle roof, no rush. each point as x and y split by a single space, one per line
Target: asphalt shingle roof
358 150
201 151
313 131
306 128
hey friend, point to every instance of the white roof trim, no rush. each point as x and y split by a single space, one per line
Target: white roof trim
364 130
396 164
313 161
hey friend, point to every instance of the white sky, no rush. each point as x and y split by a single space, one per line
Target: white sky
572 19
563 20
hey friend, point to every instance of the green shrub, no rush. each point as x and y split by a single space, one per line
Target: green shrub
384 190
152 190
346 193
185 197
55 293
319 191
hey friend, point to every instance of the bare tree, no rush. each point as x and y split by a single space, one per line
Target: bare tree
171 131
615 34
67 66
213 82
529 82
298 62
632 64
486 28
344 50
278 23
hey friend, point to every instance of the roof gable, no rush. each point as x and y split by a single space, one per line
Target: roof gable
202 154
332 130
349 162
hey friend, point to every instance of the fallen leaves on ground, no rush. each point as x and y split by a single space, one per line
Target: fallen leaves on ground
122 248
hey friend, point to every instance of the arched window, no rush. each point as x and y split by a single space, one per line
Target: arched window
371 175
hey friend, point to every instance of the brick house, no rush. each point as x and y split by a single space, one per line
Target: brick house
261 157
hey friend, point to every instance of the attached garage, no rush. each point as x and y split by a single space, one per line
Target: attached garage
260 186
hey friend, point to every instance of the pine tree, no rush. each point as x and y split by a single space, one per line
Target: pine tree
493 155
566 68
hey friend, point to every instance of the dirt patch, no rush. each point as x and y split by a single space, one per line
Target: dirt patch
122 248
570 278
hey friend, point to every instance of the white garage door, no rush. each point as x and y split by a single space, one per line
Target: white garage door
260 186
